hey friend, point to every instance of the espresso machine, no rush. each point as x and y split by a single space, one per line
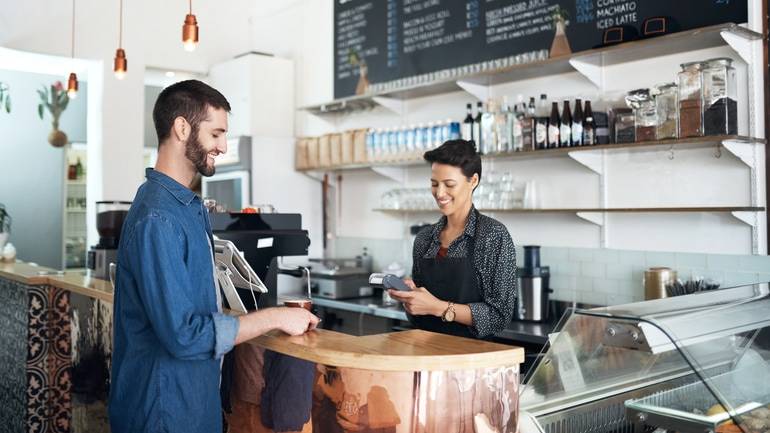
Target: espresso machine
532 299
109 222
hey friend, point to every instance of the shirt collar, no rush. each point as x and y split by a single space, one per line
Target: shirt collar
470 225
179 191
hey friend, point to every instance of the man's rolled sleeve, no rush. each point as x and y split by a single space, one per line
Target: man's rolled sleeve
225 331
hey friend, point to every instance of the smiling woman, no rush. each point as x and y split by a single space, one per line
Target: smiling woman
464 266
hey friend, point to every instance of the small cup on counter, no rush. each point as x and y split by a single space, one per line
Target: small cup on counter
299 303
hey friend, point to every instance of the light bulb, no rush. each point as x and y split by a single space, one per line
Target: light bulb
190 32
72 86
121 64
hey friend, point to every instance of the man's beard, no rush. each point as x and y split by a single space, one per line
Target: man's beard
195 152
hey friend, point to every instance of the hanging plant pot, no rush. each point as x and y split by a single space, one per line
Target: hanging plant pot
57 138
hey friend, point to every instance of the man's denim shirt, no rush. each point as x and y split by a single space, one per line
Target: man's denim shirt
169 336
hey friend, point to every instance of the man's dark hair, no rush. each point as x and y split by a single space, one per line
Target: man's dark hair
189 99
457 153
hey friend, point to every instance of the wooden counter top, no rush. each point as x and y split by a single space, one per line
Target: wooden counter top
414 350
75 281
78 282
25 273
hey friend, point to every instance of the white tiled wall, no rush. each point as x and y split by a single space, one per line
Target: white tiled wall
594 275
605 276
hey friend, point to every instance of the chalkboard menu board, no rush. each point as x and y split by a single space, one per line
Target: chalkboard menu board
385 40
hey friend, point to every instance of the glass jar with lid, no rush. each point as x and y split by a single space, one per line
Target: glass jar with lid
623 125
667 110
690 80
645 118
720 97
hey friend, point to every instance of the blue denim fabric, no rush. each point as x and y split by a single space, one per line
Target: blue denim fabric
168 334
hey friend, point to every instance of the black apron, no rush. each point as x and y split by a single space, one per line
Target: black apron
453 280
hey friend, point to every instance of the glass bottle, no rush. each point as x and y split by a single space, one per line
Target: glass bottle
488 140
720 97
541 124
565 128
502 128
667 111
577 124
589 126
477 125
528 122
467 131
553 127
690 80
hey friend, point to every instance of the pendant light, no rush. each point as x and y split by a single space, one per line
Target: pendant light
121 63
72 82
190 31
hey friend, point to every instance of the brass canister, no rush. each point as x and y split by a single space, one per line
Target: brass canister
655 282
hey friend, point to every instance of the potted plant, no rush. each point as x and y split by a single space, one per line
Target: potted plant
55 100
560 45
5 97
5 226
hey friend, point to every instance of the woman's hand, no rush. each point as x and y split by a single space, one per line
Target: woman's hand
419 302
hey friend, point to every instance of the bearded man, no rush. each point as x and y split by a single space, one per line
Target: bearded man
169 330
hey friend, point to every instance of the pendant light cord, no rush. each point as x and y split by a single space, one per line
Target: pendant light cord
72 40
120 26
190 7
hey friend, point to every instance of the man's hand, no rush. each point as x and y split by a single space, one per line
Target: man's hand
295 321
419 301
291 320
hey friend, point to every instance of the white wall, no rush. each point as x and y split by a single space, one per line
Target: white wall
692 178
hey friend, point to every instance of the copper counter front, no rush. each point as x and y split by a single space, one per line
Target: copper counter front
452 391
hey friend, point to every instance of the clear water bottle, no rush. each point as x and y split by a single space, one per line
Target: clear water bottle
401 142
455 132
446 131
419 139
379 138
392 148
436 135
370 135
411 133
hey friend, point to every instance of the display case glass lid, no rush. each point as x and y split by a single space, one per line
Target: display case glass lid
711 349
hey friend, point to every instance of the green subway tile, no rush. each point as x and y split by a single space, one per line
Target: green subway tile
581 254
660 259
634 258
723 262
691 260
607 256
754 264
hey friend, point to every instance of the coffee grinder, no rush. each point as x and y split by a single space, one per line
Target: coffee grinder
532 299
109 222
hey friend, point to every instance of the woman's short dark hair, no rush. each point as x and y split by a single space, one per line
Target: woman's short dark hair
189 99
457 153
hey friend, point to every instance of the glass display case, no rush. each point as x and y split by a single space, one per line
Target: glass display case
695 363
